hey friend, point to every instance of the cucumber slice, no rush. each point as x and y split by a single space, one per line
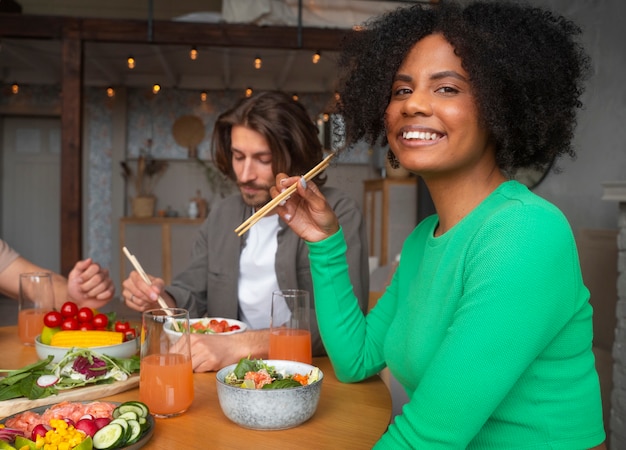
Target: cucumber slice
127 407
124 424
128 415
137 404
109 436
135 431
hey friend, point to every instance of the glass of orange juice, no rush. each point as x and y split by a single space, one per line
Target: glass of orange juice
166 374
35 299
290 332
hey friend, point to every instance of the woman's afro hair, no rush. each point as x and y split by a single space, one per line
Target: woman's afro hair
525 67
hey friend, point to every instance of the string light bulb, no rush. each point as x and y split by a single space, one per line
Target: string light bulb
131 62
110 92
295 97
203 96
316 57
258 62
15 88
193 53
249 92
156 88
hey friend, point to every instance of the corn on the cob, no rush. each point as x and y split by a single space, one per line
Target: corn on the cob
85 339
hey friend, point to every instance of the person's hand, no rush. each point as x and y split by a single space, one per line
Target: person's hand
90 285
141 296
211 352
306 211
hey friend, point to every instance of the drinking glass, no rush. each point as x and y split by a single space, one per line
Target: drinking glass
290 332
166 373
36 298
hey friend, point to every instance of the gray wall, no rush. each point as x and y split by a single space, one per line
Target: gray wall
601 134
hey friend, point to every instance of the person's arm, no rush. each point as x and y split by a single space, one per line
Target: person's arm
211 352
10 280
89 285
357 252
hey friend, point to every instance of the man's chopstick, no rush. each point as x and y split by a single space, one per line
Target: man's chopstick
315 171
145 278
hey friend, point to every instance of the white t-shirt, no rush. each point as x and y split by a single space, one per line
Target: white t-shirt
257 275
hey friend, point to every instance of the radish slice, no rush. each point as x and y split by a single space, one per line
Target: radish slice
87 416
47 380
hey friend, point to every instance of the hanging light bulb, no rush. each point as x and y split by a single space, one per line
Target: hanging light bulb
131 62
203 96
295 97
110 92
156 88
193 53
249 92
15 88
257 62
316 57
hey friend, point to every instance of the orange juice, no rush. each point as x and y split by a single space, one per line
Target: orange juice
166 383
30 324
291 344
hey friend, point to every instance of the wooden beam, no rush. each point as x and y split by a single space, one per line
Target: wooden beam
171 32
71 146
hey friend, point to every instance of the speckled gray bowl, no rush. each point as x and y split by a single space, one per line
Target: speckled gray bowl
269 409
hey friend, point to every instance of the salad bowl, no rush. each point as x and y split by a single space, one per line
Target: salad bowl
123 350
270 409
204 325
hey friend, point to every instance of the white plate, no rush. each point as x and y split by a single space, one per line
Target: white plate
206 320
123 350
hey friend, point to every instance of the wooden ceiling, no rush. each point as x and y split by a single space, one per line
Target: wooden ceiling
74 35
32 47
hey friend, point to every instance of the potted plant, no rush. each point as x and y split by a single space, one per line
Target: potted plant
144 178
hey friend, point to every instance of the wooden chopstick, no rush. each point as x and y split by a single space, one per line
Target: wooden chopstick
246 225
145 278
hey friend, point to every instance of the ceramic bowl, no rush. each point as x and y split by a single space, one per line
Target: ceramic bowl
205 321
123 350
269 409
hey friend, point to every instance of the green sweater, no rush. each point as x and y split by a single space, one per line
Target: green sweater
487 327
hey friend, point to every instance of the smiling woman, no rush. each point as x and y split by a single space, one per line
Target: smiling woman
496 264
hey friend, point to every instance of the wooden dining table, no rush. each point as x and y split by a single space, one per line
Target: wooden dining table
348 416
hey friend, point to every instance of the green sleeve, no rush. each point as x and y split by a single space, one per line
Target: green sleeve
353 343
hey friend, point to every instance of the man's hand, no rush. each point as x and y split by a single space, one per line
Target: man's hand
211 352
142 296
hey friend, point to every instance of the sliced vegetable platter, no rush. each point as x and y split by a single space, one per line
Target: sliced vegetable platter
129 428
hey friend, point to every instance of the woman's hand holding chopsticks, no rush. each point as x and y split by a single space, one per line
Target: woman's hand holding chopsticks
306 211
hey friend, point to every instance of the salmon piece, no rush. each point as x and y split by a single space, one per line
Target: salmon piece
74 411
25 422
28 420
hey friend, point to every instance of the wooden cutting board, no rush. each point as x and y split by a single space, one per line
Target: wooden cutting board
10 407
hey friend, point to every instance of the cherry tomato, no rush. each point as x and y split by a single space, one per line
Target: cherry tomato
53 319
122 326
100 321
85 315
69 323
130 334
86 326
69 309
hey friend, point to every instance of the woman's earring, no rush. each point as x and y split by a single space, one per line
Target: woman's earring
393 161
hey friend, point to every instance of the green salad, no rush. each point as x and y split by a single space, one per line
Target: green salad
256 374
